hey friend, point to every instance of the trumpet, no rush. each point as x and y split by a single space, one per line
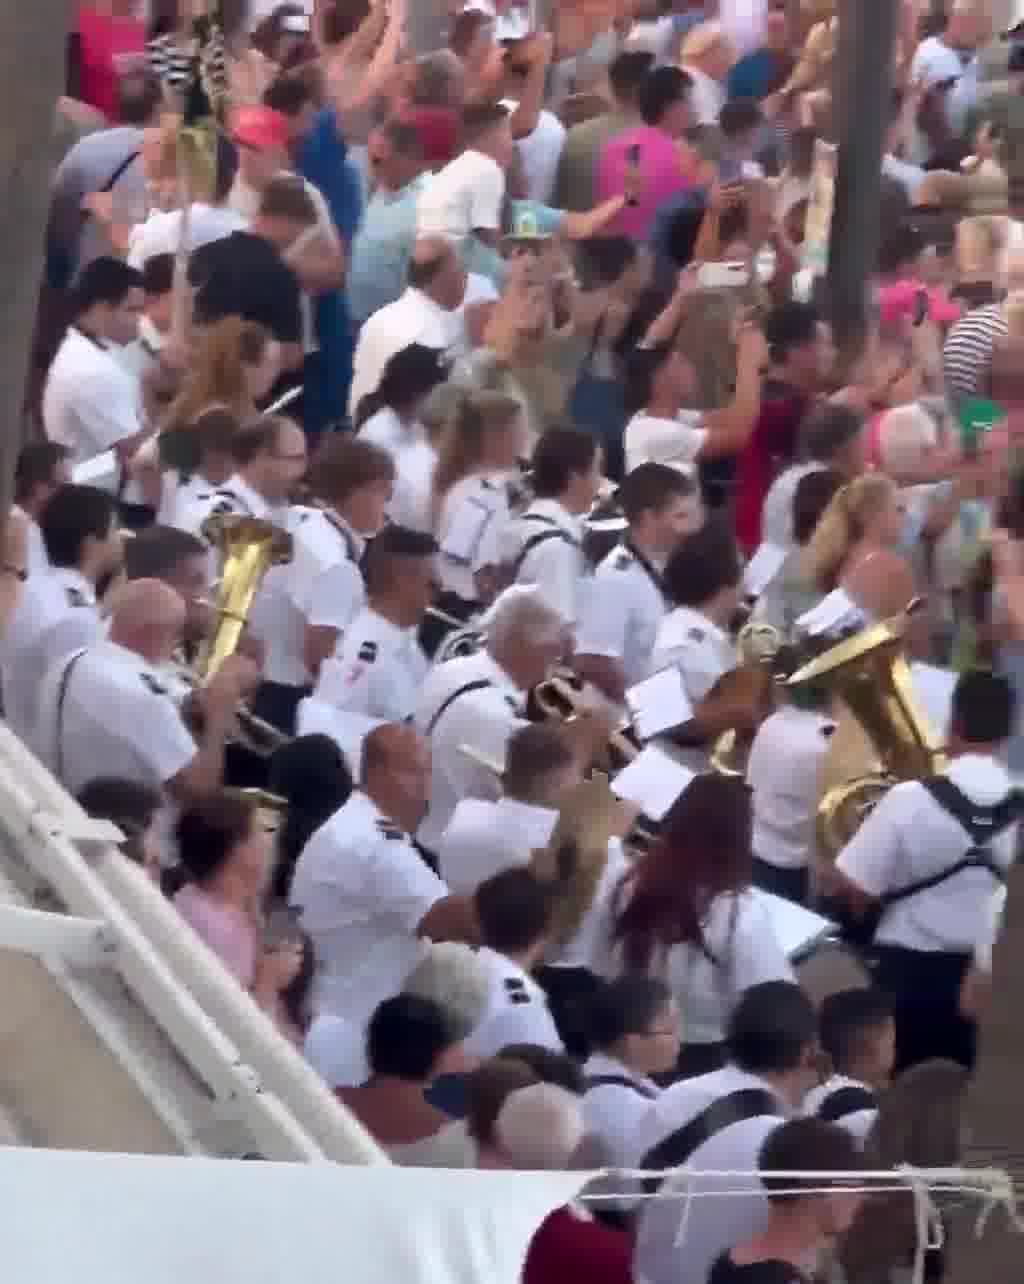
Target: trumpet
255 734
558 699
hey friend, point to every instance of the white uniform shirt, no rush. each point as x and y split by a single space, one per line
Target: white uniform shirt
650 439
90 401
467 194
414 458
180 499
483 838
119 718
482 719
56 614
377 669
858 1123
362 890
414 317
612 1111
472 523
702 652
907 837
740 936
517 1009
623 612
545 546
713 1225
783 772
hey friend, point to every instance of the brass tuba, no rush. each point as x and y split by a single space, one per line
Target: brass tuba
869 673
248 547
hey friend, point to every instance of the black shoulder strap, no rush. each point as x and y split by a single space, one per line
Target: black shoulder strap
478 685
126 164
677 1147
618 1081
553 531
981 823
62 692
846 1101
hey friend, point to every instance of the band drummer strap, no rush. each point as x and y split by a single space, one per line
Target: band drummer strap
554 531
457 694
735 1107
618 1081
846 1101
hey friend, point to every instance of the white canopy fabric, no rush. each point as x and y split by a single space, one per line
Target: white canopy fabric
75 1218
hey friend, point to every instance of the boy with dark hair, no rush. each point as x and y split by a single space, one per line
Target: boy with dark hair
859 1035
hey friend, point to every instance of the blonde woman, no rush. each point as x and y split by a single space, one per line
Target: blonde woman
855 547
478 455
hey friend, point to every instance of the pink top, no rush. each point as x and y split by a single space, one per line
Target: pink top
105 39
899 299
227 931
663 176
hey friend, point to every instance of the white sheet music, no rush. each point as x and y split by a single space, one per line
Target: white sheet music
659 703
466 530
653 781
100 468
762 569
795 927
836 610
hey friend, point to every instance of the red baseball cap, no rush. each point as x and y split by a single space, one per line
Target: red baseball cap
260 127
438 128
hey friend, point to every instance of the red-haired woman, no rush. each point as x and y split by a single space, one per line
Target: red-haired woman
686 913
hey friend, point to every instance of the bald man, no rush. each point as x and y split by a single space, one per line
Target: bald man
106 710
444 307
367 898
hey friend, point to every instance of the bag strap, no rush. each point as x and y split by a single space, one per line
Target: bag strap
478 685
846 1101
678 1146
62 691
554 531
126 164
618 1081
981 823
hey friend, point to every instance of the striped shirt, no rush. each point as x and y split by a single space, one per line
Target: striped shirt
967 354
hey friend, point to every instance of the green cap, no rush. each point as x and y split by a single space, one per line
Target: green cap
976 416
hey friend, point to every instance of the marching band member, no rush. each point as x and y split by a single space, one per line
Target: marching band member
367 898
107 710
480 701
513 909
182 561
685 912
621 617
858 1033
379 666
59 611
41 470
353 482
390 418
214 432
480 451
929 857
545 544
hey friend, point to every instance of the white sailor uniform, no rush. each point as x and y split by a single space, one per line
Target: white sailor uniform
623 612
377 670
473 518
844 1101
545 547
517 1010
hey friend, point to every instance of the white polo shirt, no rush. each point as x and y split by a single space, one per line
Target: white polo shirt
743 949
471 530
362 890
545 547
783 772
482 718
467 194
118 718
662 1254
56 614
414 317
90 401
907 837
516 1012
414 458
650 439
858 1123
377 669
623 612
613 1111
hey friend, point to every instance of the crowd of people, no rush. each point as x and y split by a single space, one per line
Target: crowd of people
514 345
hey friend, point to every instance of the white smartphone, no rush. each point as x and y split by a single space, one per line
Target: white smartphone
718 276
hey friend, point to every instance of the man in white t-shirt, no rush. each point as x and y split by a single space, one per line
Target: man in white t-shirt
464 199
442 309
91 403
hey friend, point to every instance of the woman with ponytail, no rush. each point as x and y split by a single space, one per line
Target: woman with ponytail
478 456
855 547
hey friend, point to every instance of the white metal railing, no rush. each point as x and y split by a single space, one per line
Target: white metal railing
229 1043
